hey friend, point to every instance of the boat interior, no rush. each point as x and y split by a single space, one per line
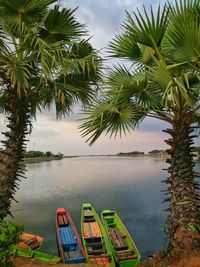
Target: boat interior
62 220
118 239
92 234
30 241
68 239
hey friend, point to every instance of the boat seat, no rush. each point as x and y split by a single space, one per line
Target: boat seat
89 219
111 224
96 243
91 230
125 255
87 213
94 246
33 243
117 239
110 221
62 220
102 255
88 216
96 252
68 239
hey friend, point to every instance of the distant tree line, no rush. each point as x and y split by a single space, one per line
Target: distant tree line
152 152
156 152
141 153
131 154
37 154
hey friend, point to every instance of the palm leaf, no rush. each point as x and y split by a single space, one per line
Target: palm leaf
29 12
124 46
82 59
148 30
124 86
183 35
61 25
110 117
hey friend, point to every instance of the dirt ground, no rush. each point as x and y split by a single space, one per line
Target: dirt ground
28 263
186 260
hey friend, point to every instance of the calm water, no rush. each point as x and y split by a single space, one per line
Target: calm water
131 186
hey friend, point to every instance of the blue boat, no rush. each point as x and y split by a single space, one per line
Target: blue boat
69 244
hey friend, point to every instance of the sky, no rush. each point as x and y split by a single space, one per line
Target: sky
103 20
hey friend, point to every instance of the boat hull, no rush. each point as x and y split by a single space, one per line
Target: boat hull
123 248
95 241
69 244
28 254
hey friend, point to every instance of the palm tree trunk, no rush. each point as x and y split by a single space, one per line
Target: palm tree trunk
184 207
12 167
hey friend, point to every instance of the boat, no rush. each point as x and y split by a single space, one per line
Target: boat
21 254
95 241
30 241
69 243
124 249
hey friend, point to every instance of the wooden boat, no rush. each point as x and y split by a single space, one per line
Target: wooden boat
95 241
24 254
69 244
123 248
31 241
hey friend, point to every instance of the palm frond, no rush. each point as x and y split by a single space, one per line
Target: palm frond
19 17
112 118
181 10
148 30
143 35
160 74
124 46
29 12
61 25
82 59
134 86
183 35
18 72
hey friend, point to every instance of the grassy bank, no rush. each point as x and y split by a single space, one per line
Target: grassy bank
158 260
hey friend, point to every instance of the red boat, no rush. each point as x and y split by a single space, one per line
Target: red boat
69 244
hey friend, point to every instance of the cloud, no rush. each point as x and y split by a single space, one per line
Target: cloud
64 136
103 19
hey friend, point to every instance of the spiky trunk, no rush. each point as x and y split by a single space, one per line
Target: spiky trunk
184 218
11 165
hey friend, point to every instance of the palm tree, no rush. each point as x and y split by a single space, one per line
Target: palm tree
161 80
44 61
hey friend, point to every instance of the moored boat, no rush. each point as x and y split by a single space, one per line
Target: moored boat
124 249
94 238
68 240
31 241
21 254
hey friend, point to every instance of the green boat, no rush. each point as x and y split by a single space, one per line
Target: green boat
123 248
33 255
95 240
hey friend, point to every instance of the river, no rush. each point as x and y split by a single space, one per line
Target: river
130 186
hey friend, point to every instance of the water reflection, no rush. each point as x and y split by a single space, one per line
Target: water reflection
131 186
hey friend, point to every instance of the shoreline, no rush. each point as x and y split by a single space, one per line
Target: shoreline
43 159
40 159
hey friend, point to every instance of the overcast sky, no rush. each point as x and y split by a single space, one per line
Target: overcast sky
103 19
